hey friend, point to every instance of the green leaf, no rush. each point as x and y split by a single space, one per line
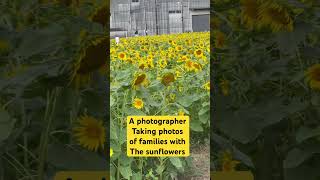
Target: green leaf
114 131
176 162
187 100
204 115
134 112
112 101
225 144
125 171
137 176
289 41
305 133
75 158
295 157
196 126
48 39
6 124
246 124
160 169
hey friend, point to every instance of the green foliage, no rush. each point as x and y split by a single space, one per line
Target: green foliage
40 44
271 115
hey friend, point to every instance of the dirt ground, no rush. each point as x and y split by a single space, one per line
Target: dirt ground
201 162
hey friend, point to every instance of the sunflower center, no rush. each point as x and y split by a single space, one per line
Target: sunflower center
138 103
197 66
251 9
317 75
141 66
140 79
167 79
94 57
279 16
93 132
198 52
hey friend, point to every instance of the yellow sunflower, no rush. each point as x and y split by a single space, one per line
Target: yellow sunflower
111 152
4 46
313 76
92 58
250 13
219 39
189 65
142 65
275 16
206 86
101 15
122 56
224 85
167 79
215 22
90 133
178 74
228 164
198 53
140 79
162 63
178 48
181 112
137 103
197 67
172 97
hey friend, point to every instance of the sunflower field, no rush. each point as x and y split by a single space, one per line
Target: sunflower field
266 115
53 99
158 75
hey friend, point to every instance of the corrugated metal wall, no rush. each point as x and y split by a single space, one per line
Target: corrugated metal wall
155 16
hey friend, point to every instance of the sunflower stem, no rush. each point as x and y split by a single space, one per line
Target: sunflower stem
49 113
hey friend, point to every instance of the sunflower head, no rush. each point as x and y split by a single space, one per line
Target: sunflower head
137 103
4 46
215 22
162 63
92 58
172 97
122 56
219 39
206 86
313 76
197 67
111 152
225 87
227 162
250 12
178 74
167 79
276 16
178 48
189 65
181 112
90 133
101 15
140 80
198 53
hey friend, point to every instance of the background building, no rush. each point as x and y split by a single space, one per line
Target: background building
158 16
